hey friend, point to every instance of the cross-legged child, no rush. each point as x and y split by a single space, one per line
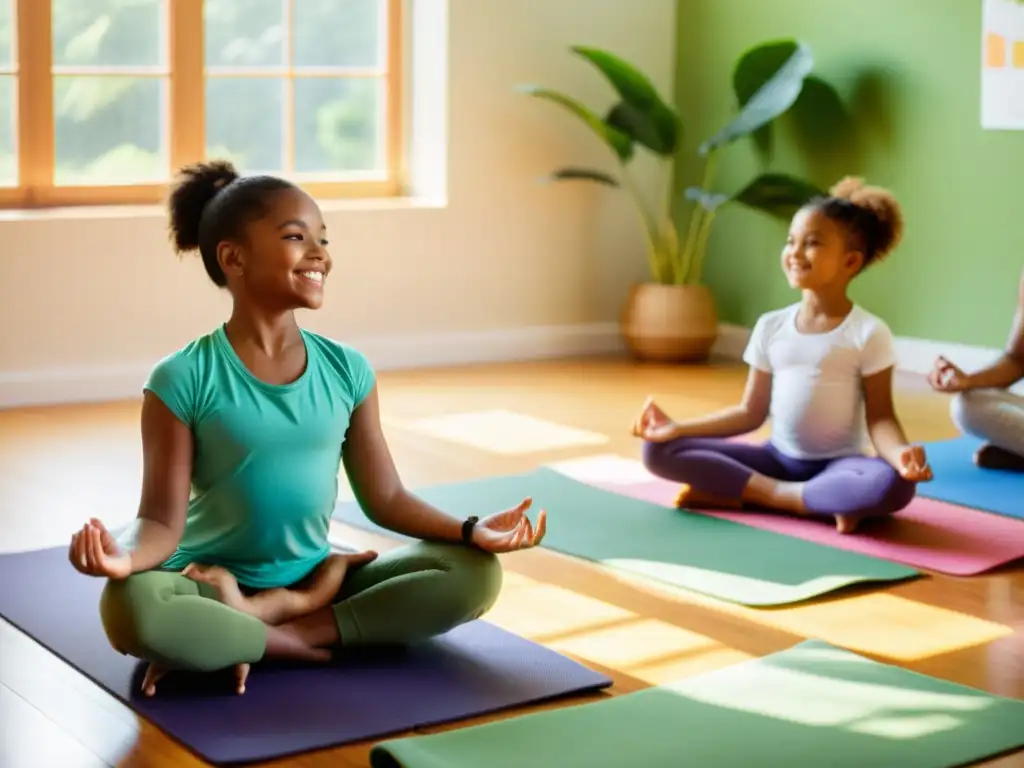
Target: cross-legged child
822 370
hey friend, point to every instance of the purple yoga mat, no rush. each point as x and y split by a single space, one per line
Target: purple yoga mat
475 669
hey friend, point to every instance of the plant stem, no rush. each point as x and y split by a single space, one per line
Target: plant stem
696 222
654 256
668 234
702 243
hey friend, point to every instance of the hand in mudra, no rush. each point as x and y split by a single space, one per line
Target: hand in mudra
947 377
653 424
154 672
510 530
94 552
914 465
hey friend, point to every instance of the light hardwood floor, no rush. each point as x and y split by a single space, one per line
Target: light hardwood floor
60 465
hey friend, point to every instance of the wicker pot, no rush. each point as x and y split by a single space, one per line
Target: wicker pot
670 323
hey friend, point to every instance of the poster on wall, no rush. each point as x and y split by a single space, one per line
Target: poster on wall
1002 66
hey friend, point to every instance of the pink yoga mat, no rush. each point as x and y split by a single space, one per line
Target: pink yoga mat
928 534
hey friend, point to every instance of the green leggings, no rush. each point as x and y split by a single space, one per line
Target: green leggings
404 596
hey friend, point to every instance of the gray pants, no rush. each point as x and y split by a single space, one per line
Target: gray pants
993 415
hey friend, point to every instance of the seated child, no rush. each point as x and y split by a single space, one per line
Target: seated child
281 605
984 407
822 370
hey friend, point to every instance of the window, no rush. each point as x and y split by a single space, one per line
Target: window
102 100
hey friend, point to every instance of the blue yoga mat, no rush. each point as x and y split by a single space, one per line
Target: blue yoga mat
959 481
473 670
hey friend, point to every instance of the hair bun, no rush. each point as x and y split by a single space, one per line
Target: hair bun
213 175
879 202
194 188
848 188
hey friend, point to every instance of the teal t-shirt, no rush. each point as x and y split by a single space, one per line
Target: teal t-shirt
267 457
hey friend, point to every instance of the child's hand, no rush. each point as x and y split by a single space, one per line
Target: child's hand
913 464
946 377
653 424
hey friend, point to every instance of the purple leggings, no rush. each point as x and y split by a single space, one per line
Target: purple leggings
856 485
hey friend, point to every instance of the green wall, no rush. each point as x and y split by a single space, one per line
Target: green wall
909 69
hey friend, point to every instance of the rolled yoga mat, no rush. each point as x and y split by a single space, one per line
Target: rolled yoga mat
812 704
930 534
696 552
959 481
475 669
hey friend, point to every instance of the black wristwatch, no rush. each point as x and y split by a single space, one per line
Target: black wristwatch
467 529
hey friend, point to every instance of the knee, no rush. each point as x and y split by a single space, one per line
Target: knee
656 456
901 493
969 411
476 579
138 616
894 493
125 607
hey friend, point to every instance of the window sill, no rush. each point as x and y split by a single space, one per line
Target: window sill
160 211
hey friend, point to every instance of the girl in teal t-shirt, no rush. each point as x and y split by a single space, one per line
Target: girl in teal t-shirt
243 432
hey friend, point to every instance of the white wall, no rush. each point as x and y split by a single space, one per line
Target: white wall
88 301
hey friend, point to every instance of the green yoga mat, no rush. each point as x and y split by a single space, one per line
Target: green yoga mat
812 705
703 554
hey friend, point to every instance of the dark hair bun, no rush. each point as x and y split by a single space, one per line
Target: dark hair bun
884 237
195 186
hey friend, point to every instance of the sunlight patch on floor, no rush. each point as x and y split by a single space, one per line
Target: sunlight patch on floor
598 632
503 432
828 688
881 624
603 468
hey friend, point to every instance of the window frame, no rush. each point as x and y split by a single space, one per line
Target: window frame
186 77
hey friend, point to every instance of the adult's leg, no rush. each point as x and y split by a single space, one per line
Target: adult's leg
727 473
997 417
852 489
174 622
405 596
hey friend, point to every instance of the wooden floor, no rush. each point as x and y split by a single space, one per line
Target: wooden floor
60 465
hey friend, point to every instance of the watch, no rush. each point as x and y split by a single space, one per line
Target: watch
467 529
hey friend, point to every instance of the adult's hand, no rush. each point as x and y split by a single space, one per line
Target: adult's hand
94 552
946 377
510 529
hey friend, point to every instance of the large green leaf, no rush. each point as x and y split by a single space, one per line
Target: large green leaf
619 142
662 127
583 174
642 127
777 194
772 99
753 69
820 117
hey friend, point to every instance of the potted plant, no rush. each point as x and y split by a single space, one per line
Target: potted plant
673 317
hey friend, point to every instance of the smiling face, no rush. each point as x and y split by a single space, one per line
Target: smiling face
817 253
281 262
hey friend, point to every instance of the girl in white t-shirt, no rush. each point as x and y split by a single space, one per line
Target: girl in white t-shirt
822 371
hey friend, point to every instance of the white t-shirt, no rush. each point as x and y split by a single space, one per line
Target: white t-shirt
817 407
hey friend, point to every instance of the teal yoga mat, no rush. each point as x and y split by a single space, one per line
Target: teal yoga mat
811 705
696 552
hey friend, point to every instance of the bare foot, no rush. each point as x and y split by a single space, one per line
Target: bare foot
155 672
766 493
846 524
337 565
992 457
689 498
223 583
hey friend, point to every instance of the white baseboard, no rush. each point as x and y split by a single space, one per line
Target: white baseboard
124 382
912 355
